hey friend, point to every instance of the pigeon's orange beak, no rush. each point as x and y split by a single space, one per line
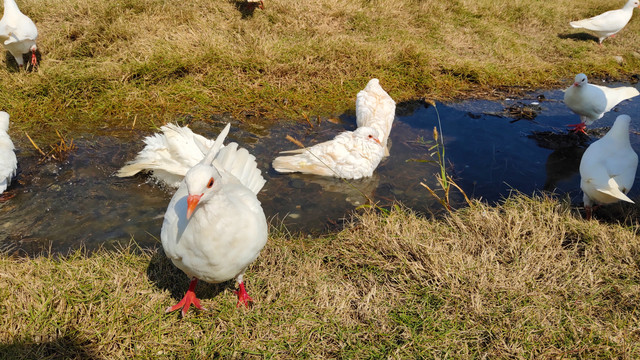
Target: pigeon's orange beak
377 140
576 84
192 202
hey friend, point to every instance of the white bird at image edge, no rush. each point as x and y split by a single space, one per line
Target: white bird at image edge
609 23
18 33
214 226
608 167
8 160
591 102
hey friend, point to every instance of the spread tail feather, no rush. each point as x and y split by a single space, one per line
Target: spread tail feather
578 24
290 164
614 190
241 164
213 152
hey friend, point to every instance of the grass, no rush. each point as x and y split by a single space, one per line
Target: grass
148 62
524 279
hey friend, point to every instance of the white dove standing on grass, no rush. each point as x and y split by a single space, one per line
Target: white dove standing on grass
169 155
608 167
18 33
214 226
8 160
608 23
376 109
592 101
350 155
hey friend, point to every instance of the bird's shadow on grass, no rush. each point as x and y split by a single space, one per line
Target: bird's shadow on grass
68 346
245 8
167 276
581 36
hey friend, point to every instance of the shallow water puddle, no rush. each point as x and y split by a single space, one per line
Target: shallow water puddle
60 206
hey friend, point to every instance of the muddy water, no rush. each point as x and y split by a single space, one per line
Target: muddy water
490 149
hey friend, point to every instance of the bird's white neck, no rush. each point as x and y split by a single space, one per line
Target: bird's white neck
620 131
10 6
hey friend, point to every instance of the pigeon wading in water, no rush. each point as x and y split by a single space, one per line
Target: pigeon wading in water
608 167
18 33
350 155
169 155
8 160
214 226
376 109
609 23
592 101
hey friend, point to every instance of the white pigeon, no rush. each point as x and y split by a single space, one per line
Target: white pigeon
608 23
169 155
8 160
350 155
608 167
18 33
376 109
592 101
214 226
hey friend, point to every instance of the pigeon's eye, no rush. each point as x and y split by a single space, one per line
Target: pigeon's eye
370 136
210 183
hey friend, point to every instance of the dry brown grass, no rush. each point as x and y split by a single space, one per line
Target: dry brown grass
108 63
526 279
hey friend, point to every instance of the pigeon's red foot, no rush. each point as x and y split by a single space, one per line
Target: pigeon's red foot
6 196
188 299
34 60
243 297
578 127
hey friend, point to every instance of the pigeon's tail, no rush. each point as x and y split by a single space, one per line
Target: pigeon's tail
241 164
579 24
156 158
300 163
619 94
614 190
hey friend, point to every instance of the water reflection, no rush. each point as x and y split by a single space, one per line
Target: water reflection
80 201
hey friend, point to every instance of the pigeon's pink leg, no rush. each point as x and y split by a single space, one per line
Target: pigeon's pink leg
188 299
589 211
578 127
34 60
243 297
6 196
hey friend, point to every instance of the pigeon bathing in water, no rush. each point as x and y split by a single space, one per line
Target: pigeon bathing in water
350 155
376 109
214 226
592 101
18 33
169 155
608 167
8 160
608 23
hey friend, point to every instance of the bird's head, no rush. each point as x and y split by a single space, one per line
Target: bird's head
202 181
580 80
368 133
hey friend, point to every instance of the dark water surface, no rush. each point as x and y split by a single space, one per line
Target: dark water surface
61 205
